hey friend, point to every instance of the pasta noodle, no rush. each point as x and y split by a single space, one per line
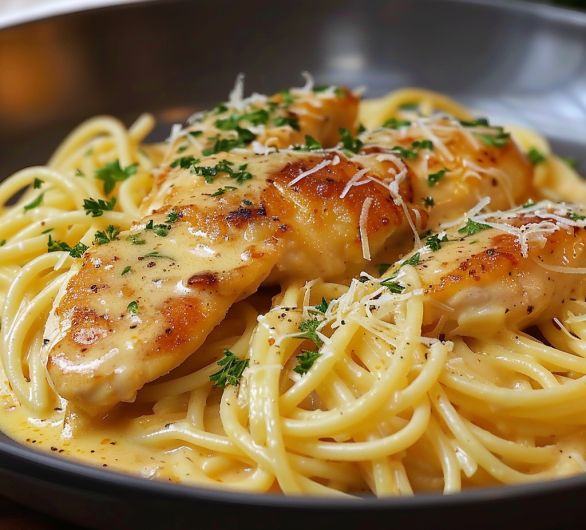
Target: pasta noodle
387 408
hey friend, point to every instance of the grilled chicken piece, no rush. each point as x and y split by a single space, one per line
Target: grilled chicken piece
466 163
482 282
209 246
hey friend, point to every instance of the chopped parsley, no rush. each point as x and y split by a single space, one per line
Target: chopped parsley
161 230
76 251
284 121
2 242
157 254
472 227
308 330
411 153
221 191
126 270
287 97
110 234
305 361
244 136
395 123
79 173
37 183
529 203
412 105
576 216
349 142
434 242
393 286
535 156
311 144
478 122
231 370
185 162
382 267
35 203
428 202
322 307
136 239
96 208
112 173
413 260
132 307
173 216
499 139
434 178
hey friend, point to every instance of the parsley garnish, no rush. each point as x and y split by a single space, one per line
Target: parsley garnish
409 106
221 191
96 208
56 246
382 267
288 98
349 142
2 242
209 173
472 227
34 203
322 307
173 216
395 123
308 330
185 162
219 108
126 270
479 122
283 121
393 286
160 229
37 183
135 239
535 156
500 139
157 254
133 307
434 178
434 242
79 173
110 234
576 216
413 152
220 145
305 361
413 260
112 173
428 202
311 144
231 370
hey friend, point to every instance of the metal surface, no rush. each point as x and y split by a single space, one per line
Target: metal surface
515 63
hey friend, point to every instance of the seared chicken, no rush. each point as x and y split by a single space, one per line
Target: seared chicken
509 276
230 211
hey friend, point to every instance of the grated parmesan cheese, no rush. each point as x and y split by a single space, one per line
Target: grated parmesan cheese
314 169
363 227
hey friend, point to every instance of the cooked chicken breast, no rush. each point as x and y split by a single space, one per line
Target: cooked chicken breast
230 211
502 277
467 162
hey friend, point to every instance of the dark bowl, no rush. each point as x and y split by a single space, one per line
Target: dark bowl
514 62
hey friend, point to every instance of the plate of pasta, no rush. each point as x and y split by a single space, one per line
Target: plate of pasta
305 302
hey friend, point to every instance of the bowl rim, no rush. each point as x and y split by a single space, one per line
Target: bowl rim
96 478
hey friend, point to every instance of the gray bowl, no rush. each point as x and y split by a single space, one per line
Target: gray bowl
514 62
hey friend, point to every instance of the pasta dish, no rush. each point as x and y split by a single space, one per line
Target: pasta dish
302 293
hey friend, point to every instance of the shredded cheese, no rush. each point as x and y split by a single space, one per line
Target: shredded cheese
314 169
363 227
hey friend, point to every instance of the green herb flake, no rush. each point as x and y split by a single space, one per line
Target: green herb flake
110 234
305 361
349 142
382 268
396 123
472 227
311 144
529 203
157 254
37 183
112 173
173 216
428 202
161 230
393 286
126 270
322 307
221 191
434 242
231 370
413 260
479 122
132 307
574 216
79 173
78 250
434 178
286 121
308 329
535 156
35 203
499 139
136 239
2 242
96 208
